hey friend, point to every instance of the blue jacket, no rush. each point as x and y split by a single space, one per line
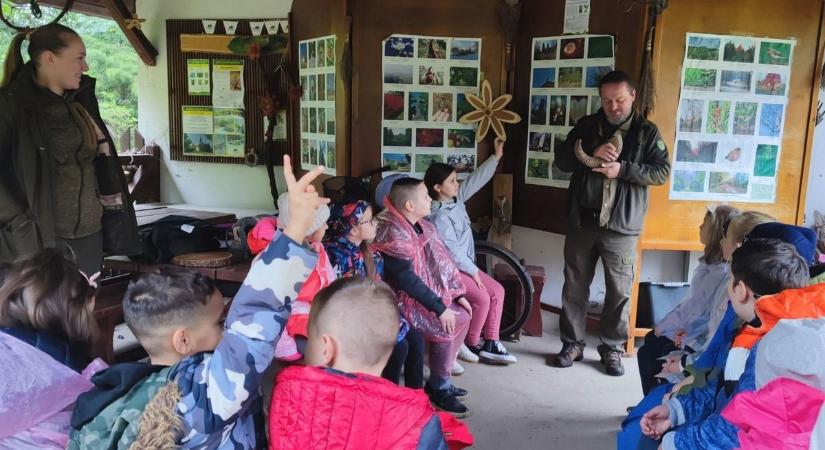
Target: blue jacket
698 414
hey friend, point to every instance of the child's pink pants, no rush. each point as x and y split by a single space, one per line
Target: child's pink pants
487 303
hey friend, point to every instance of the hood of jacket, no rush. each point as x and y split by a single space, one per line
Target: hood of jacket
780 415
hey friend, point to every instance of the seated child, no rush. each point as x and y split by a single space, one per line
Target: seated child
790 388
686 326
431 294
485 294
338 400
290 346
47 327
760 267
351 229
202 387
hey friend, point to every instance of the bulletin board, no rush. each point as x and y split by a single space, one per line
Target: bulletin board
673 224
253 82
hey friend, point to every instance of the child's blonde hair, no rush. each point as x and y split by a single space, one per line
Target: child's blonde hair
742 224
720 217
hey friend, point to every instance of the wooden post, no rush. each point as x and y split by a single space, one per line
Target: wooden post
502 210
120 13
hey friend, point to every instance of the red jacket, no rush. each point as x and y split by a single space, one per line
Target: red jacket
317 408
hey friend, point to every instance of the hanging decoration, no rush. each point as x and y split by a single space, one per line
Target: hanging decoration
489 113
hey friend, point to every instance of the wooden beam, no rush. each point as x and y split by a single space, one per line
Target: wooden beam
121 13
88 7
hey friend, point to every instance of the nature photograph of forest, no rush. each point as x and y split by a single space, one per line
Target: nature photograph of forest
110 57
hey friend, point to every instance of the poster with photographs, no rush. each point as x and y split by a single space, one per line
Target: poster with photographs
564 83
426 80
730 118
317 72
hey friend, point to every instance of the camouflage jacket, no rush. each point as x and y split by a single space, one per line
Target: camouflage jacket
220 391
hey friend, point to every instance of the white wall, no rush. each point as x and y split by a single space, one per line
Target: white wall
205 184
540 248
816 177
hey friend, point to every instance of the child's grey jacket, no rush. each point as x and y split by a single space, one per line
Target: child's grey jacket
453 223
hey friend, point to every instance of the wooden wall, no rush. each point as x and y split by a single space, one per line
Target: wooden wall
312 19
374 21
544 207
674 225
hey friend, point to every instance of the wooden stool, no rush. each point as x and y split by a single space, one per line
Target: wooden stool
533 326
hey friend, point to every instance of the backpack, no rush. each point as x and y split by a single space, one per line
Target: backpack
174 235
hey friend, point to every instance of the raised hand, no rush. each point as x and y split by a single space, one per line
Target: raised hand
303 200
499 146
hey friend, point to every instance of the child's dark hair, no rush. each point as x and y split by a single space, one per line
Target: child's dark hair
360 312
719 220
169 297
48 38
436 174
402 191
768 266
47 292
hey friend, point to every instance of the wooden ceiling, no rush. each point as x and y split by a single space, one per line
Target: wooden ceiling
91 7
118 10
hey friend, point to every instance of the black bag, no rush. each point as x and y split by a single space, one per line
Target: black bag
175 235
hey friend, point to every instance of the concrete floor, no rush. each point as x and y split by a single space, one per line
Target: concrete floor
534 406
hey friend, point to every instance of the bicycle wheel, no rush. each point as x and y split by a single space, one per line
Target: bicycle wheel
506 268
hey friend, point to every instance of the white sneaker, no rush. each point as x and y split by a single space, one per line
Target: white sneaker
458 369
466 355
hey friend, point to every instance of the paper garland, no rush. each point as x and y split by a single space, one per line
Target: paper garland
424 94
730 119
564 81
317 64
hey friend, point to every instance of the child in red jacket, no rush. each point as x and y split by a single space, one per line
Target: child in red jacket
352 330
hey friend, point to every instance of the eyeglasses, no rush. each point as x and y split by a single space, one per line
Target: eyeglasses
370 221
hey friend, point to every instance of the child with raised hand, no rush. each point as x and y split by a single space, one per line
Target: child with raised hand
338 399
686 326
47 327
202 386
431 295
351 230
485 294
290 346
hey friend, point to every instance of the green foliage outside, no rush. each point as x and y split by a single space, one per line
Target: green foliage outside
111 59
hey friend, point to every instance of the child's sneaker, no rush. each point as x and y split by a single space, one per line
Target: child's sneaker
445 400
458 369
494 352
469 355
456 391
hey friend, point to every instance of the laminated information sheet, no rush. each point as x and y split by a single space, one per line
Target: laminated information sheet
731 117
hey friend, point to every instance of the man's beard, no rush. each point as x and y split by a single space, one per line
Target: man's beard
619 121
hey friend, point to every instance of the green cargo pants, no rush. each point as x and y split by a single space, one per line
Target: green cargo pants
582 249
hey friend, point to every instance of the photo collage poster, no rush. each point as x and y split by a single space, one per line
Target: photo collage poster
426 80
564 82
731 116
317 71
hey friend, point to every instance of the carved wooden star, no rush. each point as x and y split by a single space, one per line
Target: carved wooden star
489 112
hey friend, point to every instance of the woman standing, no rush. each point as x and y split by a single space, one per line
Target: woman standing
60 181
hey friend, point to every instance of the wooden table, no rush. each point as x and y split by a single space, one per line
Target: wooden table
152 212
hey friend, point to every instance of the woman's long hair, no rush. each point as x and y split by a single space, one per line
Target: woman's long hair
48 38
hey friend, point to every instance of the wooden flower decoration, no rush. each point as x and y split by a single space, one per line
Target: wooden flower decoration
489 113
135 22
